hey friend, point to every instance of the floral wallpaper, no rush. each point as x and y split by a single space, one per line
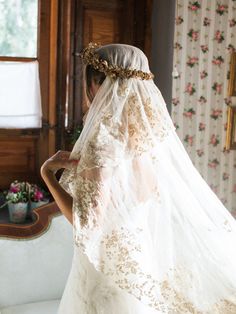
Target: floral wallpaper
205 35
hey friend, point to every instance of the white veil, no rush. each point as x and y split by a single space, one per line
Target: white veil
142 213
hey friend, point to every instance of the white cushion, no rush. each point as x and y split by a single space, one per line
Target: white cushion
35 270
45 307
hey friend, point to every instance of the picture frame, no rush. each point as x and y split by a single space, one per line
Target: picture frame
231 129
231 110
232 75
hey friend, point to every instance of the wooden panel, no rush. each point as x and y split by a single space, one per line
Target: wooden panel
47 67
52 110
103 5
17 159
83 21
65 95
97 21
101 27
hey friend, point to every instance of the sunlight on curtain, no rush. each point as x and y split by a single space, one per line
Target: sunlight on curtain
20 98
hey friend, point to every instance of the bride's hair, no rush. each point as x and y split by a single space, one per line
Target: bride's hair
95 75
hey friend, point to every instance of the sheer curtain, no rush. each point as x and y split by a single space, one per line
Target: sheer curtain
20 98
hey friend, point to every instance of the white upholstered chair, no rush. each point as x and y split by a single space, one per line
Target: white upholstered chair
33 272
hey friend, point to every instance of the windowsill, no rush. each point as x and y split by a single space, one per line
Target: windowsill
17 59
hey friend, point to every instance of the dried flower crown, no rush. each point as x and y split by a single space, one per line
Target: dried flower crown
89 56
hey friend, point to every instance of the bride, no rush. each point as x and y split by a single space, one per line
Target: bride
149 234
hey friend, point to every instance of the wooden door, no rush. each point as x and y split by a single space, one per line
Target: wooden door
101 21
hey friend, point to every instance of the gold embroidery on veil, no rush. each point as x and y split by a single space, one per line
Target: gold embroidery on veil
121 246
127 128
160 294
99 150
86 202
142 138
89 56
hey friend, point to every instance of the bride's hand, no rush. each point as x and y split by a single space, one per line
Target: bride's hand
58 161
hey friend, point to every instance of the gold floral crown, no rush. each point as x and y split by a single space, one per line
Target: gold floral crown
89 56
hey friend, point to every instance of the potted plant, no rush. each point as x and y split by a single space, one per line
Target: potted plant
37 197
17 200
76 134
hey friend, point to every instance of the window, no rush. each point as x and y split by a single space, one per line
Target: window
20 99
19 28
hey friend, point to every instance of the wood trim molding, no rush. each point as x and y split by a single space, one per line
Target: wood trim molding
229 128
43 218
148 29
18 59
232 74
47 55
52 106
65 68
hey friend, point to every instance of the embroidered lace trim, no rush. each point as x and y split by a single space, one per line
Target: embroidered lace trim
121 246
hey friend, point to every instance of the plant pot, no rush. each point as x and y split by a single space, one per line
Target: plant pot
17 212
34 205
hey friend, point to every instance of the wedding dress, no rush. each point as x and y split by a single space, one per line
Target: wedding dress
150 236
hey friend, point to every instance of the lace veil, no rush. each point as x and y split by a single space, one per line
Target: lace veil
142 213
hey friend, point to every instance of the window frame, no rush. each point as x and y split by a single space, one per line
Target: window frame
28 131
27 59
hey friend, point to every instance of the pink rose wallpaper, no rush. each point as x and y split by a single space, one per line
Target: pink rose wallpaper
205 35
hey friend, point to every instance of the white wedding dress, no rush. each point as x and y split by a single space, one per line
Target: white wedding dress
90 292
150 236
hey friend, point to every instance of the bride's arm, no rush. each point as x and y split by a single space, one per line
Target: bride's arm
48 170
61 197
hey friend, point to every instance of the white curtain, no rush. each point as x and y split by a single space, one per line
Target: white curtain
20 98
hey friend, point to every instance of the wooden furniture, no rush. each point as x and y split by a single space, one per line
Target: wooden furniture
41 222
